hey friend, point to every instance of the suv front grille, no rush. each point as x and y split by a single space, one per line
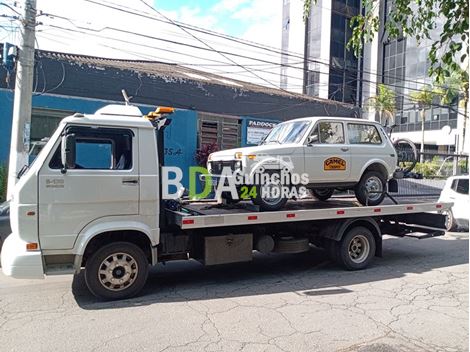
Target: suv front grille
217 166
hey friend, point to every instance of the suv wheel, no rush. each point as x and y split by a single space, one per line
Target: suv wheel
269 196
371 181
322 193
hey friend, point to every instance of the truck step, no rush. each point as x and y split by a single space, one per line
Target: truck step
59 269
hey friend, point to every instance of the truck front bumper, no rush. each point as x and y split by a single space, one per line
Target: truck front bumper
19 263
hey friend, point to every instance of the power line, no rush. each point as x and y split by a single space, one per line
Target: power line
238 40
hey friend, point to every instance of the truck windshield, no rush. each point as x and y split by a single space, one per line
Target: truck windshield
284 133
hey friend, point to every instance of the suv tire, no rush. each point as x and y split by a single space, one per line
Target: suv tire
322 193
371 180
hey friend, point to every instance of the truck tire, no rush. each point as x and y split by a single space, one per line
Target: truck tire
356 248
116 271
322 193
371 181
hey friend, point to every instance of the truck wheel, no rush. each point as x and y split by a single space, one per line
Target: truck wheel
356 248
116 271
322 193
269 196
370 181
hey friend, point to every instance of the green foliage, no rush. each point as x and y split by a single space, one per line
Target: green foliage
3 182
436 168
384 102
424 98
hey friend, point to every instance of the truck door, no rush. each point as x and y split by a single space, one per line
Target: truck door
104 182
327 156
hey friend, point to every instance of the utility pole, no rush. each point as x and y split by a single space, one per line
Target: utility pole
22 105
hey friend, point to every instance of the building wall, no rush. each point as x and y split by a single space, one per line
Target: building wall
293 41
180 135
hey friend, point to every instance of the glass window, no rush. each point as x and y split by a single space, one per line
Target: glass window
330 132
363 134
94 154
98 149
291 132
462 186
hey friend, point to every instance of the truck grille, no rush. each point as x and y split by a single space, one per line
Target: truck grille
217 166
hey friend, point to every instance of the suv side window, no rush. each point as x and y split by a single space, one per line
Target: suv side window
99 149
329 132
462 186
359 133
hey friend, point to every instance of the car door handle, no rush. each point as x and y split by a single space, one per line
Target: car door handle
130 181
344 149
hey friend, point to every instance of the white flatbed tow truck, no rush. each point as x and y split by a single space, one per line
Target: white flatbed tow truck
92 201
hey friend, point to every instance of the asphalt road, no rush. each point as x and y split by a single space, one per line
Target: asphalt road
415 298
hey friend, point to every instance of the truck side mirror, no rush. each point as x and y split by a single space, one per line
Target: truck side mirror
68 152
312 139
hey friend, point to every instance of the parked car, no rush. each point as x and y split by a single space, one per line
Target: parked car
456 191
342 153
5 229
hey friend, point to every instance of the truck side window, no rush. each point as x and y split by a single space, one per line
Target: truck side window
99 149
331 132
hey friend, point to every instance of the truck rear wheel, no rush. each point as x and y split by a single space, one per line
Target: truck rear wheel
356 248
116 271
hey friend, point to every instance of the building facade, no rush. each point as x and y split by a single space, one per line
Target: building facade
331 71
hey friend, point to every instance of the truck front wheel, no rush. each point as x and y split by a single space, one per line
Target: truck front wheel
116 271
356 248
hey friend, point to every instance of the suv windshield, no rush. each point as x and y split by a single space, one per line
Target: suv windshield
291 132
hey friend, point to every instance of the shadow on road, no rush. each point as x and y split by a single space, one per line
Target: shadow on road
309 273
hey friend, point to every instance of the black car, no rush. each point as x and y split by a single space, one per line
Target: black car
5 228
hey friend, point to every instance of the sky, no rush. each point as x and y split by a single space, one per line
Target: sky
93 27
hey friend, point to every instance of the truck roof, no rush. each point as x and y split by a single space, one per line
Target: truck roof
112 115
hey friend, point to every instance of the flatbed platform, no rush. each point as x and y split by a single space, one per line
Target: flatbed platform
210 214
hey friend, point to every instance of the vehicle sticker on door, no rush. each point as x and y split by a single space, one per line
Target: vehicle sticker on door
334 164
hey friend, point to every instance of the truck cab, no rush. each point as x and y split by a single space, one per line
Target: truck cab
90 176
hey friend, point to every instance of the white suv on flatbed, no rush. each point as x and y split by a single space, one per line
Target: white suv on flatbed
334 153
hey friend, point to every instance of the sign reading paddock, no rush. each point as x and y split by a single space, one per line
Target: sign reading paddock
334 164
257 130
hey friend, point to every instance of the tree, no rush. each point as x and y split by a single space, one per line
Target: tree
417 19
424 100
456 87
384 103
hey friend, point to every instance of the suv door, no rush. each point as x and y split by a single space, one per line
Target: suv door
104 182
327 157
366 143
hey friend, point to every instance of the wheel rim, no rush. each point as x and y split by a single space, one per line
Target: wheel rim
373 184
359 248
448 221
269 189
118 271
